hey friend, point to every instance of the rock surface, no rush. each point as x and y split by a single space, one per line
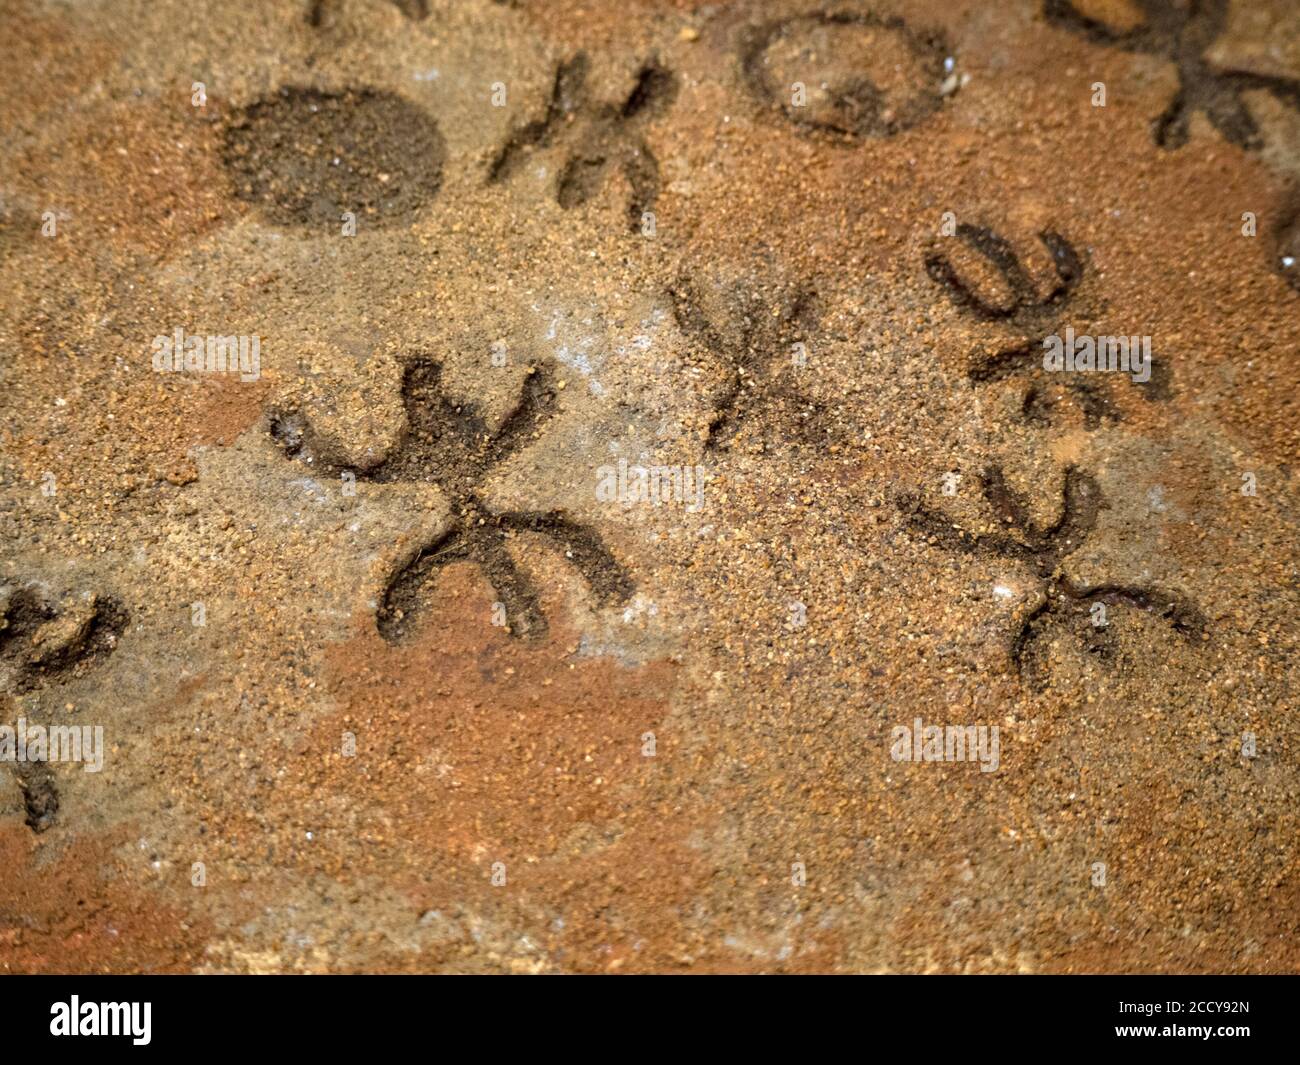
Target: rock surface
399 671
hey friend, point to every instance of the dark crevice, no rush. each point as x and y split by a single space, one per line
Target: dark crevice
654 91
1027 308
40 794
1069 607
568 94
41 645
609 581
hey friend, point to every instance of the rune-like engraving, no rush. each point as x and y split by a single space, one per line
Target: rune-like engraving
1183 33
1044 550
597 137
754 335
846 76
447 442
1035 312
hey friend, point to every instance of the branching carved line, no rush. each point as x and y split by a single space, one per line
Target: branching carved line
599 136
449 443
752 339
1183 33
1045 549
1037 316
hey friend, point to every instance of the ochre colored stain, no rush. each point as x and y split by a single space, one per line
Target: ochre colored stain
80 915
493 739
147 178
227 408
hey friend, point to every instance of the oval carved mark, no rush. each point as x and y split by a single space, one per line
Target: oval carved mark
864 76
305 157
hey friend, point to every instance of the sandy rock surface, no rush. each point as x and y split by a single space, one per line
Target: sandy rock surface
337 334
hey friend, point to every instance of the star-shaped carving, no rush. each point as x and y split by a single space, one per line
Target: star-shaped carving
755 336
449 444
598 136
